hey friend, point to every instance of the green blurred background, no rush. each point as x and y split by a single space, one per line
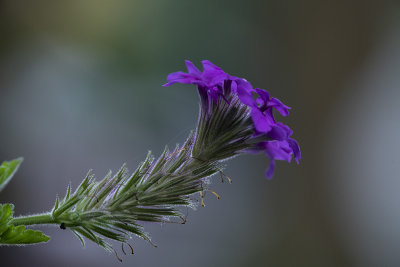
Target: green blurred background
80 89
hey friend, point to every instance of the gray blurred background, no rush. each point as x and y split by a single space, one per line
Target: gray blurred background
80 89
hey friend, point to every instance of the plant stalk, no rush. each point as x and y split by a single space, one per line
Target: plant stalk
34 219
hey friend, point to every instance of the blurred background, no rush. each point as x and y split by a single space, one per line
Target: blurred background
80 89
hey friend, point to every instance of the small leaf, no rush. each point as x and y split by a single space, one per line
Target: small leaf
7 170
6 212
17 235
68 192
20 235
79 237
56 205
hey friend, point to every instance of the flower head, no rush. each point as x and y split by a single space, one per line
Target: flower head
213 83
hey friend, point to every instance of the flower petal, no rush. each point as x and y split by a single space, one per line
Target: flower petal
277 133
263 95
278 150
244 90
214 93
295 148
208 66
279 106
192 68
182 77
261 123
270 171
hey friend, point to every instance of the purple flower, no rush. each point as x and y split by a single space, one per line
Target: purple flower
281 148
209 82
262 110
244 91
265 102
213 83
210 77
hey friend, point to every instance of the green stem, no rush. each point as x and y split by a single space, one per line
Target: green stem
34 219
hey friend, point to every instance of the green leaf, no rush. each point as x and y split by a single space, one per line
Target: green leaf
17 235
7 170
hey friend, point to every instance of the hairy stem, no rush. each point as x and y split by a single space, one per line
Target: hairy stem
114 207
45 218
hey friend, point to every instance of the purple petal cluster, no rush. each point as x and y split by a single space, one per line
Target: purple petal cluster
212 84
210 81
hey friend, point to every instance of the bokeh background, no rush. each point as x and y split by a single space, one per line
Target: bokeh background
80 89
